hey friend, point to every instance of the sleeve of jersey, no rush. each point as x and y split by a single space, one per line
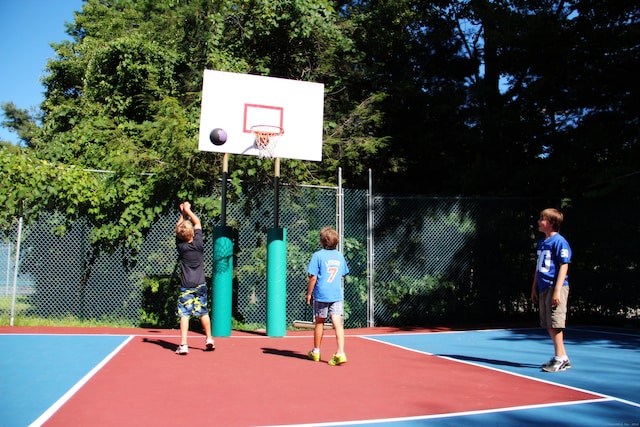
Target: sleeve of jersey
563 252
313 268
198 239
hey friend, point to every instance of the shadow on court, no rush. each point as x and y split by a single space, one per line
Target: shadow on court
285 353
490 361
161 343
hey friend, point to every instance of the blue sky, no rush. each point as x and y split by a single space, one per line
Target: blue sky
27 27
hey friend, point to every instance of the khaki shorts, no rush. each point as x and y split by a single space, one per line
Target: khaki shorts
550 316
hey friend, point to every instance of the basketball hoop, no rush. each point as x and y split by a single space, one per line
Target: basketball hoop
266 139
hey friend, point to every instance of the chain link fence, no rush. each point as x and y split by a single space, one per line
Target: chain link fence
416 261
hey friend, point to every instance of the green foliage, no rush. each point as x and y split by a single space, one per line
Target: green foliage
31 185
356 283
159 296
20 121
408 301
25 315
123 98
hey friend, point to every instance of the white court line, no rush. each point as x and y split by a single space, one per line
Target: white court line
447 415
603 396
53 408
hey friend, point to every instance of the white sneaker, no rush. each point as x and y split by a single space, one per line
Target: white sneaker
209 345
555 365
182 349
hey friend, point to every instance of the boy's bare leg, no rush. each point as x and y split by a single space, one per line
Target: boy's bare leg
206 324
184 329
557 336
318 332
336 319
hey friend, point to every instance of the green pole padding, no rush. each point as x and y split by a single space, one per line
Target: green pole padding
276 282
222 281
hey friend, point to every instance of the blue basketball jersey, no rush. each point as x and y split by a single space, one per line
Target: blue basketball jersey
552 253
328 266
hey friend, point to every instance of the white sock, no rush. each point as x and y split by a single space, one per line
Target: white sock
316 350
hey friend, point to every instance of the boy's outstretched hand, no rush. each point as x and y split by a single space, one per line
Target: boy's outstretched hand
185 207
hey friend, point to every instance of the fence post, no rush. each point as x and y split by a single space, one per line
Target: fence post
15 271
370 255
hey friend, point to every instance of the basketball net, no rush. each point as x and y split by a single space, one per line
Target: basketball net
266 139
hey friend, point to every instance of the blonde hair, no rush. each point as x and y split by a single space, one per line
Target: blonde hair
184 231
329 238
554 216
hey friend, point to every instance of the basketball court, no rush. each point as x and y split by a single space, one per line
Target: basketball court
104 377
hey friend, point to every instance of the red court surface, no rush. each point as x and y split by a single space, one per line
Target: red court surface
254 380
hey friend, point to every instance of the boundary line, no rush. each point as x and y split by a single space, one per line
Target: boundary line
447 415
53 408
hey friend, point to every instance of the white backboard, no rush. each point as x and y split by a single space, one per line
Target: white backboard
236 102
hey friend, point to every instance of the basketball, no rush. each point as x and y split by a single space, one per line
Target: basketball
218 136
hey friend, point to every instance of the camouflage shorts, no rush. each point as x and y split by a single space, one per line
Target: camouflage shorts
193 301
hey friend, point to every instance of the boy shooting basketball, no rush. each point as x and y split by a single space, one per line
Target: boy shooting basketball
193 289
324 290
551 285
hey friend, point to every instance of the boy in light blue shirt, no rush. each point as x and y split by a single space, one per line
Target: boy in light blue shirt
324 289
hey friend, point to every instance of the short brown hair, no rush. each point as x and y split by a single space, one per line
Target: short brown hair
554 216
329 238
184 231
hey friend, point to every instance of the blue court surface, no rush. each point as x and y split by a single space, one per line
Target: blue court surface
605 362
39 373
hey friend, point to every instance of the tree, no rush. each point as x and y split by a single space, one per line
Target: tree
471 97
488 97
22 122
123 96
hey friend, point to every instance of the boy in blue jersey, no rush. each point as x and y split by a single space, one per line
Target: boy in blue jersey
551 285
324 289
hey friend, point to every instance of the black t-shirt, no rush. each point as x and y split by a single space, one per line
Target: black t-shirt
192 260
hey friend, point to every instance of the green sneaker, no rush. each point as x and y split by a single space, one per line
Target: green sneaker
314 356
338 360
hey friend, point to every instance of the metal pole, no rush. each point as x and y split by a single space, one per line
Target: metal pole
6 290
340 212
222 271
276 267
370 255
276 282
276 190
223 201
15 271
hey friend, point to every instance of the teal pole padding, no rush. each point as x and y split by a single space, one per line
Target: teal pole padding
222 281
276 282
